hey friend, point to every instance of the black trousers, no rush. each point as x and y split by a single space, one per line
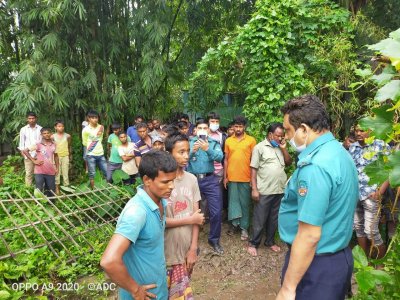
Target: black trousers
328 277
46 184
265 215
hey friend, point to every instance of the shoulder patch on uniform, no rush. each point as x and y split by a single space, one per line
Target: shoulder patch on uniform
302 188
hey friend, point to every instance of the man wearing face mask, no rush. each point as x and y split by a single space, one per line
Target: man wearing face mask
268 179
203 152
215 133
316 213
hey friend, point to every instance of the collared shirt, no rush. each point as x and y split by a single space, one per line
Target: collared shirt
45 152
141 223
239 156
362 157
270 165
323 191
29 137
132 133
202 162
143 147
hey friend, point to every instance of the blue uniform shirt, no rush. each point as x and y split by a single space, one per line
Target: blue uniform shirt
323 191
141 223
202 162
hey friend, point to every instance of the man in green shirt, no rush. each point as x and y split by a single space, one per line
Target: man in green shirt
316 213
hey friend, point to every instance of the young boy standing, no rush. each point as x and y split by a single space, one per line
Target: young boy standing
64 152
130 156
46 163
114 159
92 136
183 220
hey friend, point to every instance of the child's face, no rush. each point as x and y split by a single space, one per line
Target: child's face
59 128
116 131
123 138
46 135
180 152
158 145
93 120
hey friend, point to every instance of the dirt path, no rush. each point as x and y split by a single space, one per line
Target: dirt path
236 275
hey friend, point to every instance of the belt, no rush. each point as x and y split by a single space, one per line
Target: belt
318 254
203 175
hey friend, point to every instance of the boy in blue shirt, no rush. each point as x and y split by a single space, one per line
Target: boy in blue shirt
134 258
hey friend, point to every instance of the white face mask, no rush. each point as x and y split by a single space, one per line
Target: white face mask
293 143
202 134
214 127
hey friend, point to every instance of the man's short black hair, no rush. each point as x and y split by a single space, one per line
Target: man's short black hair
56 122
171 140
213 115
154 161
309 110
201 121
139 117
239 120
31 114
185 116
115 126
274 126
45 128
182 124
141 125
230 125
92 113
121 132
170 130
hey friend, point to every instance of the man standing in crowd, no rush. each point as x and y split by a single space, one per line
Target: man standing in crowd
366 218
216 133
114 159
157 131
28 137
203 152
268 180
150 126
238 149
64 152
144 144
132 130
46 163
134 258
92 137
185 118
316 213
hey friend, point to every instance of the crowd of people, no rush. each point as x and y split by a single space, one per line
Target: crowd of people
193 173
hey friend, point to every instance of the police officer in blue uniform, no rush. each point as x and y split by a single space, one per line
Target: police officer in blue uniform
316 213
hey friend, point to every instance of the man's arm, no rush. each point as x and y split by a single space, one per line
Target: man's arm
69 140
191 255
255 195
21 145
197 218
57 162
286 156
226 180
301 255
115 268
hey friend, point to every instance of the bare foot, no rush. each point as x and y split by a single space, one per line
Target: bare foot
275 248
252 251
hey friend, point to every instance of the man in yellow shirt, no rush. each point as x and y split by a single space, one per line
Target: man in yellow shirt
238 150
64 152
